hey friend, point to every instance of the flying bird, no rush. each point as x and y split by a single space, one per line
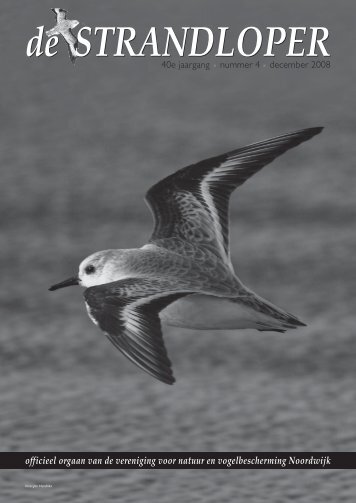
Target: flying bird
64 27
184 275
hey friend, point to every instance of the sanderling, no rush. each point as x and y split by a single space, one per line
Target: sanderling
184 275
63 27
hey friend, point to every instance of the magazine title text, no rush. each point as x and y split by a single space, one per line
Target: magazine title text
196 41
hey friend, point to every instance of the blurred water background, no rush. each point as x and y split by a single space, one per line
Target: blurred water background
79 147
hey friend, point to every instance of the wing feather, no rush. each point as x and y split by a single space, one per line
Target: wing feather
128 313
193 203
72 44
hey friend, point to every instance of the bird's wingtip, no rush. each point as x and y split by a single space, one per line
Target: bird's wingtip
317 129
296 322
310 131
168 379
305 134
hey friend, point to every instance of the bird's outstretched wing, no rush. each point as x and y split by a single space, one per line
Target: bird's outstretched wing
192 204
61 14
128 313
72 43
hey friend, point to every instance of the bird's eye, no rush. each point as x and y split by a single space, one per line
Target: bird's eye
89 269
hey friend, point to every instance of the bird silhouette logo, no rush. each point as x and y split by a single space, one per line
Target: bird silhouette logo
64 27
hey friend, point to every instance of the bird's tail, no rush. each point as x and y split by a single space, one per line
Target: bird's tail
268 317
72 50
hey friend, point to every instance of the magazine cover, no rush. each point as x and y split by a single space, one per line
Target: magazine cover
177 251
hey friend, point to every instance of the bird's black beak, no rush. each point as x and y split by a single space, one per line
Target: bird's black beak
68 282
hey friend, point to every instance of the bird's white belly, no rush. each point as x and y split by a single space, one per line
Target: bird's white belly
205 312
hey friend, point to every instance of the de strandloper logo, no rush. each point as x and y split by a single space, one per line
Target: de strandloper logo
185 41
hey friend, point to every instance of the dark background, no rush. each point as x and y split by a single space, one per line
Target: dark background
79 147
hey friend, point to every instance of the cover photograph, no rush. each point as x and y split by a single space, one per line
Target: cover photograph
177 251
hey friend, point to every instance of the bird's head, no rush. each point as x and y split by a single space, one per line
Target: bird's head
97 269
